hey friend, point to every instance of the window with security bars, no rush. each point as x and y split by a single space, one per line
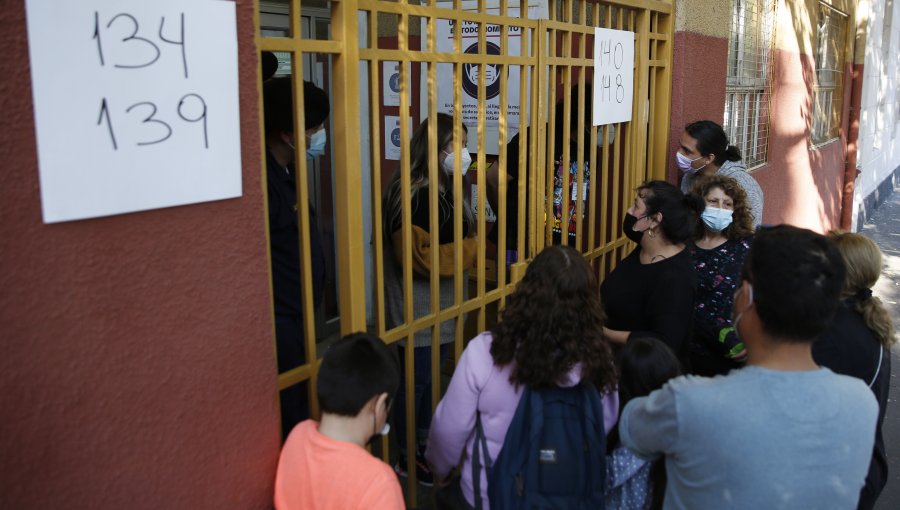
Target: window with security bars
746 88
831 34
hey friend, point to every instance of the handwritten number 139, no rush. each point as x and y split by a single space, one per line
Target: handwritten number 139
135 41
162 129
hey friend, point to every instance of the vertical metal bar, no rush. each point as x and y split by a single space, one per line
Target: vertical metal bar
480 181
406 267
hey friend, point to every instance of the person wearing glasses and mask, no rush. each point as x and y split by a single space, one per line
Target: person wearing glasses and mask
284 232
704 151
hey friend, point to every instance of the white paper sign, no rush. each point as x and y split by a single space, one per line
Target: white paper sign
392 137
613 76
391 82
445 30
135 104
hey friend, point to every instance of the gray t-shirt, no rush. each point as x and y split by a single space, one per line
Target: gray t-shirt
757 438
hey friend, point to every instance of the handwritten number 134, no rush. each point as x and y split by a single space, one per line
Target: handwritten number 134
138 43
161 129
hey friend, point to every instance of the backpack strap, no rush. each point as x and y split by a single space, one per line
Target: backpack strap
478 449
878 367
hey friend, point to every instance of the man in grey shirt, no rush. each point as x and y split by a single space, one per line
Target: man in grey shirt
782 432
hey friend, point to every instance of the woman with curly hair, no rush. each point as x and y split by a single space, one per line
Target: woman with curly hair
721 241
858 342
550 335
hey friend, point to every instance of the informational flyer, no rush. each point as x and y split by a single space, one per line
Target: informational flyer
391 86
469 36
135 104
392 149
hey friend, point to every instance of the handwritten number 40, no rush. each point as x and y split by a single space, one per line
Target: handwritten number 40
136 42
162 128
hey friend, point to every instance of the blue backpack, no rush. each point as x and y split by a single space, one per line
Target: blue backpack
554 454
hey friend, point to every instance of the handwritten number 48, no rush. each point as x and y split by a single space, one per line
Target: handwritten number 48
136 43
161 129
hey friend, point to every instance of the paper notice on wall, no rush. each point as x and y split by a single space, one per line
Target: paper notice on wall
613 76
391 82
492 72
135 104
392 149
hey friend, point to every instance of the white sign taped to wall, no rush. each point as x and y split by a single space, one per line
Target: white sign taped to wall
537 9
613 76
135 104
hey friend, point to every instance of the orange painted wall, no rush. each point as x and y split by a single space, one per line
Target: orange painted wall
137 366
802 185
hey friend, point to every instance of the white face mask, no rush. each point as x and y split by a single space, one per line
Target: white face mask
716 219
685 164
316 144
465 162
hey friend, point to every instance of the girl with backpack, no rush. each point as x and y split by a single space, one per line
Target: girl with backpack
550 336
645 365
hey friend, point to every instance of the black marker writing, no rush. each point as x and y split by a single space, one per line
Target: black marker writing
150 118
200 117
135 38
104 112
180 42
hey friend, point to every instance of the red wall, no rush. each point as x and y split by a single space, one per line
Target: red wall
137 364
698 86
802 186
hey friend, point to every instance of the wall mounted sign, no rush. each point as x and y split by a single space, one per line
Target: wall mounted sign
469 32
135 104
613 76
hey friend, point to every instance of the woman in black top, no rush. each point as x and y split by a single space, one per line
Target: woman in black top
721 241
652 289
858 342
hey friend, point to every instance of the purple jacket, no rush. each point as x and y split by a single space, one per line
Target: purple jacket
479 385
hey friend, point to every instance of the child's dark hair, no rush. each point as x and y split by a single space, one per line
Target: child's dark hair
797 277
355 369
645 365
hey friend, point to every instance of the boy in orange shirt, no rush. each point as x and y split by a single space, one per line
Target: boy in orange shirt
324 465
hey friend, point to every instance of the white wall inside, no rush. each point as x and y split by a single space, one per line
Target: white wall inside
879 133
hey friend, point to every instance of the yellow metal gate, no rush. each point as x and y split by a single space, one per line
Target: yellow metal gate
553 57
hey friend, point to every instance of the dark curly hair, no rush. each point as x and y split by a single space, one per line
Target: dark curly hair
554 321
741 220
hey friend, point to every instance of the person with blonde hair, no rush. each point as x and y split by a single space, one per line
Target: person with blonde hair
859 341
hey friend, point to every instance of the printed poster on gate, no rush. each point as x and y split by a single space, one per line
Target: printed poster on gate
445 34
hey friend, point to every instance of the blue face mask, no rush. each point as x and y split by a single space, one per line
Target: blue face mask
716 219
316 144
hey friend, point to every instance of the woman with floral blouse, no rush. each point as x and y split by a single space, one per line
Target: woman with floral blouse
721 241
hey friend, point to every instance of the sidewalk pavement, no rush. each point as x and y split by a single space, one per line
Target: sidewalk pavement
884 228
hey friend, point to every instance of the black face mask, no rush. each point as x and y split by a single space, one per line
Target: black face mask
628 228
